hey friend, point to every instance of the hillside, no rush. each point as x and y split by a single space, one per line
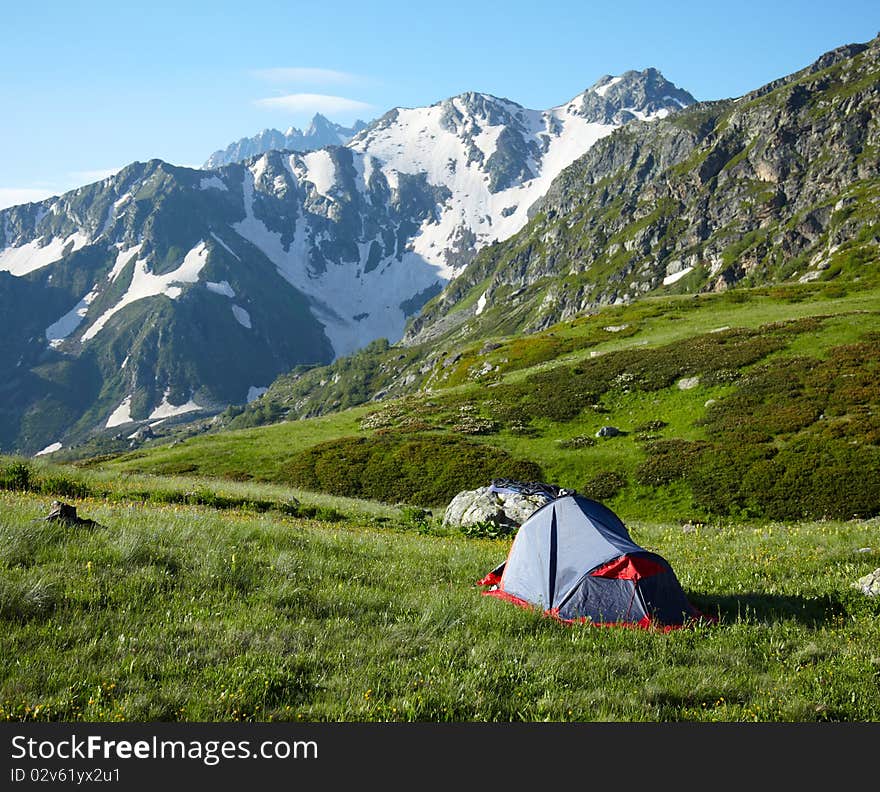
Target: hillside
757 403
778 185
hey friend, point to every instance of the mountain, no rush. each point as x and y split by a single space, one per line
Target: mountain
321 132
778 186
163 292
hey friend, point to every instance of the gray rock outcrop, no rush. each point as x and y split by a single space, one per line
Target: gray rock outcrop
483 505
869 584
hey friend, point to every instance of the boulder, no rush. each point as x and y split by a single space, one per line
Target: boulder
483 505
869 584
609 431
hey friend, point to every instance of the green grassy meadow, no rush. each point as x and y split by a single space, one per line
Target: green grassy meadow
178 612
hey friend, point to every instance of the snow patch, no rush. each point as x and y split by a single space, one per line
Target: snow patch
220 288
145 284
168 410
122 258
603 89
212 183
121 415
23 259
241 316
481 303
58 331
320 171
225 246
49 449
676 276
259 168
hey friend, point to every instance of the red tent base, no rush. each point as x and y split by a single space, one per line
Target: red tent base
642 624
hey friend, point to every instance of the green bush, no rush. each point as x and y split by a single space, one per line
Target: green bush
669 460
63 486
816 478
16 476
604 485
716 478
574 443
416 469
488 530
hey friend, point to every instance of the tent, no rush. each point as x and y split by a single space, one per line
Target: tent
574 558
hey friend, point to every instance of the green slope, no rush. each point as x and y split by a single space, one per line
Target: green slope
777 383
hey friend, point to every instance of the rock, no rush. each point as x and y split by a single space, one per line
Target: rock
869 584
610 431
142 433
482 505
145 433
686 383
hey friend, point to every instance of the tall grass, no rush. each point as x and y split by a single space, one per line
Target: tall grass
177 612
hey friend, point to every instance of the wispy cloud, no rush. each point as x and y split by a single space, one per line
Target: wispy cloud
310 102
305 74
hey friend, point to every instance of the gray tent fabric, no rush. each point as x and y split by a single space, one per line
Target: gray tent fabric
587 535
558 559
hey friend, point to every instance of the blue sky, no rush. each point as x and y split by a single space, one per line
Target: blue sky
88 87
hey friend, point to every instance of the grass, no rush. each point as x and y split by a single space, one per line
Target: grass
67 482
175 612
250 455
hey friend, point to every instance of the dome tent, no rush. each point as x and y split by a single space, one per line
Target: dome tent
575 559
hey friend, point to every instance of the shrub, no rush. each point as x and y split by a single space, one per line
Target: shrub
63 486
669 460
604 485
581 441
416 469
16 476
816 478
488 530
650 426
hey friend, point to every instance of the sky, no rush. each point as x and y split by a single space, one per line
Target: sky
88 87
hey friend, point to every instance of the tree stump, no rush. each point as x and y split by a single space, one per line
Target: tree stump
65 513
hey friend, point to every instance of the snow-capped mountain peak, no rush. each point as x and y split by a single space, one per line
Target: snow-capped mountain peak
320 132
